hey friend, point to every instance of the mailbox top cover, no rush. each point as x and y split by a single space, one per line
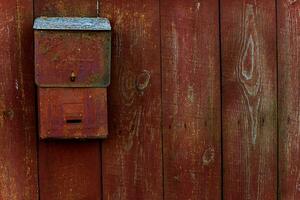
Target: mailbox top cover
72 23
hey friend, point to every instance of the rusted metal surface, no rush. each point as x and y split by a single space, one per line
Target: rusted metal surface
18 145
70 59
191 99
83 54
249 99
72 113
72 23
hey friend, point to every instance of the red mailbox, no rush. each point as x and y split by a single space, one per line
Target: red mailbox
72 71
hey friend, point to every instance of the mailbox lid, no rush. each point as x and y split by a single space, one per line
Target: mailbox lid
66 47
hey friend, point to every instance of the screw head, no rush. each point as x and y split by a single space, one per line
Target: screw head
73 76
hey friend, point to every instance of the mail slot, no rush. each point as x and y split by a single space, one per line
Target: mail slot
72 72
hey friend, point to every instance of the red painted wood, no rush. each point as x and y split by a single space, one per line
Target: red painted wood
248 33
69 170
289 93
18 163
132 154
65 8
191 99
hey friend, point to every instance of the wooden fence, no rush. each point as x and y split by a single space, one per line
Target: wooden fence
204 104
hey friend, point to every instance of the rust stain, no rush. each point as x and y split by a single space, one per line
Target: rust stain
72 113
61 52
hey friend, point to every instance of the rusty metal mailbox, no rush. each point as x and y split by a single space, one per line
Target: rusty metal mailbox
72 71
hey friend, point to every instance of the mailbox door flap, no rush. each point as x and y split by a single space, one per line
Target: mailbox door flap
72 58
73 113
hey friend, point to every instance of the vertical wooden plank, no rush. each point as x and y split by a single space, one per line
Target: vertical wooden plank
132 155
248 33
69 170
66 8
18 163
289 99
191 99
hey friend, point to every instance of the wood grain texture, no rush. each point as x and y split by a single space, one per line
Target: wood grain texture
69 170
289 98
248 33
132 154
191 99
18 159
65 8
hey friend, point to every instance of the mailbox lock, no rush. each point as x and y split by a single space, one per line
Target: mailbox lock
73 76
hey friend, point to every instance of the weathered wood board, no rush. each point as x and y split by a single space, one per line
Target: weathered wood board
132 154
66 8
288 102
249 99
185 122
18 152
69 170
191 99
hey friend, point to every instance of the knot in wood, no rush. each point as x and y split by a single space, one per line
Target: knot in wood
8 114
142 80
